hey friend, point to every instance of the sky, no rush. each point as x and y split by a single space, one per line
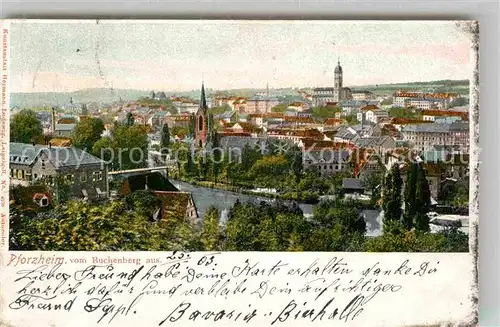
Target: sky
176 55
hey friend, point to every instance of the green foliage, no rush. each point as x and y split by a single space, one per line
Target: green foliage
192 125
422 201
374 183
409 196
455 194
143 201
126 149
131 146
113 226
211 233
25 127
165 137
87 132
323 112
269 170
130 119
458 102
103 149
351 119
392 194
166 104
179 130
397 238
344 214
211 131
387 101
280 107
405 113
265 227
219 110
417 197
127 225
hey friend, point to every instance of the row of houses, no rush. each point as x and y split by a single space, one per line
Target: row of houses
423 100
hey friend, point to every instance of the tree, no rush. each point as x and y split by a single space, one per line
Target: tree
455 193
409 196
131 146
342 213
392 197
265 227
219 110
397 238
374 182
179 131
352 119
165 138
269 170
325 112
280 107
110 226
130 119
417 198
192 125
404 113
143 201
422 200
104 148
216 164
87 132
294 157
190 169
25 127
458 102
211 234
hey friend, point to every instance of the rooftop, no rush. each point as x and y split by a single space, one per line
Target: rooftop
437 128
26 154
352 183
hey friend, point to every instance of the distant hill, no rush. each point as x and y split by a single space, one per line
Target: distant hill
459 86
49 99
101 95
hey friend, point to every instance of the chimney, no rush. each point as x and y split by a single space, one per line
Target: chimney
53 123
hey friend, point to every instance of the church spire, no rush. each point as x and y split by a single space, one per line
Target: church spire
203 100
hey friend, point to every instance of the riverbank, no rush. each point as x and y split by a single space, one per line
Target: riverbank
289 196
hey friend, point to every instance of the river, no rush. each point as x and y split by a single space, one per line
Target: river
205 197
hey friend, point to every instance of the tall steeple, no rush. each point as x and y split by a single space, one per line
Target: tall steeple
202 128
338 76
338 82
203 100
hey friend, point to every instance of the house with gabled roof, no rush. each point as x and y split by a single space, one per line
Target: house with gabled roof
227 117
84 174
177 205
366 162
327 157
378 143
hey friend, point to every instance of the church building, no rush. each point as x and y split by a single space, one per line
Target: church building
324 95
202 128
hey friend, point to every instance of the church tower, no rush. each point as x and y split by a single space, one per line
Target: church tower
337 93
201 128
